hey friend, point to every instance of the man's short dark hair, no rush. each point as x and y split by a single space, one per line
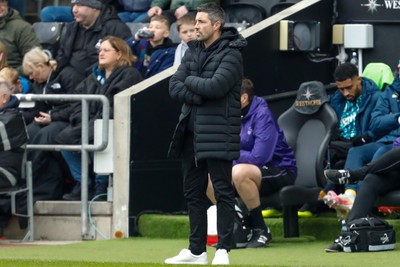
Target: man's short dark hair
248 88
214 11
187 19
345 71
161 19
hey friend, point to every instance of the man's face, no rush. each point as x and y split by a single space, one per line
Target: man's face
3 8
160 31
205 31
187 32
350 88
108 56
84 15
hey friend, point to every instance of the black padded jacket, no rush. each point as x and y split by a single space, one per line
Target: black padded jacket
208 82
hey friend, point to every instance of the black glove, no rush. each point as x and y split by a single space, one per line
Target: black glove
362 140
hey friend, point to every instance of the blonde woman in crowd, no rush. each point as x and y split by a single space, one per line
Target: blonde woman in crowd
47 119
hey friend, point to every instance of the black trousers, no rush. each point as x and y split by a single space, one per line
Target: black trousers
381 176
195 175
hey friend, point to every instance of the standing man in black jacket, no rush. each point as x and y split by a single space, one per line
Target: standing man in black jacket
207 136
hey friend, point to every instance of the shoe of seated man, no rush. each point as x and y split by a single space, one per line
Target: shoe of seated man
271 213
339 176
259 238
75 194
336 246
305 214
221 257
186 257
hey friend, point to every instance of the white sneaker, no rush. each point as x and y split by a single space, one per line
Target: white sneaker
186 257
221 257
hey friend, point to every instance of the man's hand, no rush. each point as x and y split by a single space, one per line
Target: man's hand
154 11
43 118
362 140
180 12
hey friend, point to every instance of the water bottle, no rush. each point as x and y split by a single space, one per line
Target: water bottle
344 227
354 58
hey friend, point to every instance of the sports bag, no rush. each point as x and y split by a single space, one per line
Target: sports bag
13 137
241 232
368 234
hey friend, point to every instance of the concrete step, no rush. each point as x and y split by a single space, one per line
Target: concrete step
61 221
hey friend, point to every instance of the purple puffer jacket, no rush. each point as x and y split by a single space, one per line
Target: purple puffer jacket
396 142
262 141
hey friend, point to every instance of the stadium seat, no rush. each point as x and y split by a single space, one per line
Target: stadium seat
239 26
173 34
135 26
308 125
380 73
281 5
246 13
49 35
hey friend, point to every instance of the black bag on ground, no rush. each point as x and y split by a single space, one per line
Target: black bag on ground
241 231
369 234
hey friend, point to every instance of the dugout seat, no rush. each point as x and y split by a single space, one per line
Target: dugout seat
308 125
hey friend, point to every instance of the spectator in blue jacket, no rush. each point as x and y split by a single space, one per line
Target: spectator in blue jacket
354 103
266 162
155 52
385 125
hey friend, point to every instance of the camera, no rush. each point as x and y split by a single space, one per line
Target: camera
144 34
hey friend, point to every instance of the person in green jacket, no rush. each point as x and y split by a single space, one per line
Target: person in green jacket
16 34
174 9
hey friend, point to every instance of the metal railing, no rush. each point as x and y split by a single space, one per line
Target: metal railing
84 148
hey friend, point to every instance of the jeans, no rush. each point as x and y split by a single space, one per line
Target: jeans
64 14
56 14
360 155
133 16
73 160
19 5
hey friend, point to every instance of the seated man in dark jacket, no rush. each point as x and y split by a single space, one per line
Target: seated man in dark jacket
353 102
81 41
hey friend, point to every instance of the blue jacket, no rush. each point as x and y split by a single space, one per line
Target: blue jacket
12 103
262 141
161 57
370 94
135 5
384 117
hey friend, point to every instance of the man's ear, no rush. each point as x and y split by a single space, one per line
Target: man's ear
217 25
245 97
166 34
